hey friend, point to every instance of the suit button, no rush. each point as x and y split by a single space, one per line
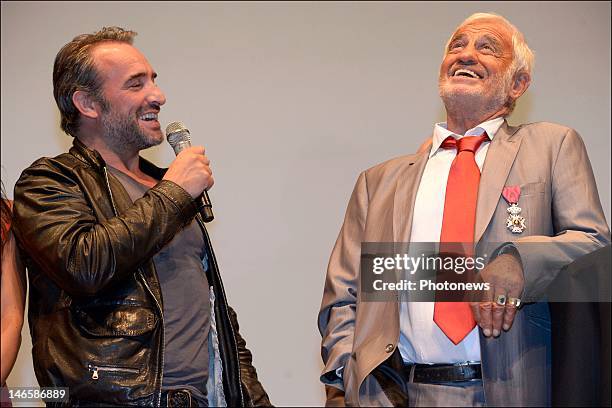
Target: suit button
389 348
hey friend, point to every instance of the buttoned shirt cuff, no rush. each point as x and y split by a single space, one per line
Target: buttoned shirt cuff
334 378
507 248
339 371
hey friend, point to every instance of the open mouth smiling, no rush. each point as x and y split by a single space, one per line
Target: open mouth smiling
148 116
462 72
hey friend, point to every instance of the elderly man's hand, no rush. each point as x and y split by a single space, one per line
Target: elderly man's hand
505 276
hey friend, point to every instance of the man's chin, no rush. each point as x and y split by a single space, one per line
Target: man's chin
152 137
458 89
463 96
159 137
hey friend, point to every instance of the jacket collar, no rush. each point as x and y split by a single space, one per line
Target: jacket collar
87 155
496 168
93 158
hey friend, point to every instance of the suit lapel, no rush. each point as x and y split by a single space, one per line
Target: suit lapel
406 188
500 156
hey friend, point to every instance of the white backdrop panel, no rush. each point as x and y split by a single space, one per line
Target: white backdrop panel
292 101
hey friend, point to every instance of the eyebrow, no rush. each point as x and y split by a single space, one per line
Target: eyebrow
486 37
139 75
492 40
457 37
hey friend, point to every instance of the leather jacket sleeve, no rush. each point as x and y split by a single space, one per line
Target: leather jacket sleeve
254 393
58 223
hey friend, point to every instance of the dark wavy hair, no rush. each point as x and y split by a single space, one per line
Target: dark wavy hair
74 70
6 216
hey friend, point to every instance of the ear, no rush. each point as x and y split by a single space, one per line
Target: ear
520 84
86 104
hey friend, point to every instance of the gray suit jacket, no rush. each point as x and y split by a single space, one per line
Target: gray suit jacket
562 209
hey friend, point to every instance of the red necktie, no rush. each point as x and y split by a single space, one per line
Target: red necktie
455 318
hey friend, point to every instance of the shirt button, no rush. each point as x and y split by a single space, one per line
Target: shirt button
389 348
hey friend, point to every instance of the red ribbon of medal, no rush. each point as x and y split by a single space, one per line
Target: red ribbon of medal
512 194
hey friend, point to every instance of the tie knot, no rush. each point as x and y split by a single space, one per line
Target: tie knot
466 143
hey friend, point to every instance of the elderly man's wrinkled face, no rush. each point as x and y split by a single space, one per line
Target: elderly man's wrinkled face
475 70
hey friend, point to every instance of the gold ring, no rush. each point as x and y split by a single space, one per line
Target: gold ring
500 300
514 301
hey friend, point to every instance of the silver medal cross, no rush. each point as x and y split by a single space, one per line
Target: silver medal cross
515 222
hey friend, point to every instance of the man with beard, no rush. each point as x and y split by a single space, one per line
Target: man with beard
126 303
460 188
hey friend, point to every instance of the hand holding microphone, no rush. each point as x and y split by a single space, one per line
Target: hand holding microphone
191 171
191 168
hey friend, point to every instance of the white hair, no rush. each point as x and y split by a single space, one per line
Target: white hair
522 56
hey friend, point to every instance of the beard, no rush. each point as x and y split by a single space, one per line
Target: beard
123 133
492 100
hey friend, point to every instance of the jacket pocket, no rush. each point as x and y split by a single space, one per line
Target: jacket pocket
115 319
535 204
532 189
99 370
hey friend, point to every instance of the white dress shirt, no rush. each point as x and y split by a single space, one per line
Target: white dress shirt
421 340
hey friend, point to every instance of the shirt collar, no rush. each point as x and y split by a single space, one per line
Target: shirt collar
440 132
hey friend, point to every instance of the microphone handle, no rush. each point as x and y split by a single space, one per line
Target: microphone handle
205 207
203 201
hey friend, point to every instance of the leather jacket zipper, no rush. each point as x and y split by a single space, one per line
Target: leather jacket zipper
110 192
146 284
162 341
96 369
216 268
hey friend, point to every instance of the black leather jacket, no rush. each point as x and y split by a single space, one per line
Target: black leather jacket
95 303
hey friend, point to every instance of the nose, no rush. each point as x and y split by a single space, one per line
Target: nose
156 96
467 56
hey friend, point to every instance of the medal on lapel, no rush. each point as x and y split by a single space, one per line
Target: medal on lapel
515 221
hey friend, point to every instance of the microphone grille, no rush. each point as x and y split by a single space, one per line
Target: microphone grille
176 127
176 132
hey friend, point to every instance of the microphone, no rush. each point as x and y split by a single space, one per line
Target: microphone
179 138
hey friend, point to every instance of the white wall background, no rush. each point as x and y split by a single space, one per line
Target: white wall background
292 101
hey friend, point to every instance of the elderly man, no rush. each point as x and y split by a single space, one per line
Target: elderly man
458 189
126 305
